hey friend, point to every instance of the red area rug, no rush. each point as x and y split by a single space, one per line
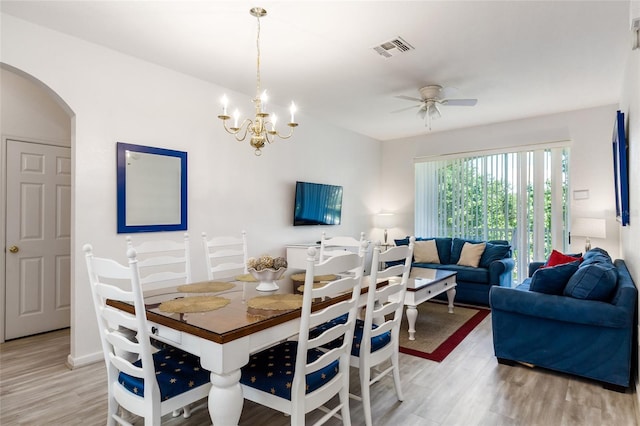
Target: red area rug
438 332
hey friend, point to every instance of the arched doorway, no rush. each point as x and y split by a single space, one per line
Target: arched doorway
36 207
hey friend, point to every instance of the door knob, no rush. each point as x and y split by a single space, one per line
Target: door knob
14 249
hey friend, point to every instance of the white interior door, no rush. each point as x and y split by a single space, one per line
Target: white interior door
38 261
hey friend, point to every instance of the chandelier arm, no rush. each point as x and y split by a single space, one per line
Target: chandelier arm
287 136
245 124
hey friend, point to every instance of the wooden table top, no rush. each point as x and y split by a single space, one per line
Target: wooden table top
222 325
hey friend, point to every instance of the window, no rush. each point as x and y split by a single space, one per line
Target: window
518 196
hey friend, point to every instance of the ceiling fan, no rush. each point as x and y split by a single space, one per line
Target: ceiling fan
431 97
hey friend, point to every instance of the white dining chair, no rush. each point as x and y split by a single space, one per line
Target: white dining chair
148 384
225 256
163 262
339 245
377 337
297 376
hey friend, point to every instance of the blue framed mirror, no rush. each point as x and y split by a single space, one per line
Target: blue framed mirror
152 189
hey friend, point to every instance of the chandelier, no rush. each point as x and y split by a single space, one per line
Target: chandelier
263 127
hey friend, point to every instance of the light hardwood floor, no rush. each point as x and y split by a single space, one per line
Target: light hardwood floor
467 388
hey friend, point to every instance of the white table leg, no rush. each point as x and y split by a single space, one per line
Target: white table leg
451 294
412 316
225 399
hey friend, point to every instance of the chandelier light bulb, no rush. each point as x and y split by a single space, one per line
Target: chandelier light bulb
292 110
225 103
236 117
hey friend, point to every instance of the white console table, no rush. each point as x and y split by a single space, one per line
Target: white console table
297 255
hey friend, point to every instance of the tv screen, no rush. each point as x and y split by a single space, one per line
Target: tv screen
621 169
317 204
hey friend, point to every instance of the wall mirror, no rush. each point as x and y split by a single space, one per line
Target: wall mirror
152 189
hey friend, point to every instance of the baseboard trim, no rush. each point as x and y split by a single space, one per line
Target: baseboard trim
78 362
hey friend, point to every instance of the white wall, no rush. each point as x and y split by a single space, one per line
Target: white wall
630 105
115 98
589 131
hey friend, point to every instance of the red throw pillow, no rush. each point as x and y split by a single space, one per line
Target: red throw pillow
557 258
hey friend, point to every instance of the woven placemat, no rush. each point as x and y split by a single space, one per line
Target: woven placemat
210 287
192 304
317 278
315 285
275 302
246 278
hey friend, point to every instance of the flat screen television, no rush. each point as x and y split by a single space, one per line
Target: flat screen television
317 204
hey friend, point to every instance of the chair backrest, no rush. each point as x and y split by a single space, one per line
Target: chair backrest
163 263
225 256
111 280
386 304
347 287
339 245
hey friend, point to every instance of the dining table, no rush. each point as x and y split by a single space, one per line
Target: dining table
223 338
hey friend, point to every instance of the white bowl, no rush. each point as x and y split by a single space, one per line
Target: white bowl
267 278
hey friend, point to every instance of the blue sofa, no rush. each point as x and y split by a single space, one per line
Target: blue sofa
578 318
473 283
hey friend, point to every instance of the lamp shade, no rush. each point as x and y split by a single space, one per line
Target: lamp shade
590 228
384 220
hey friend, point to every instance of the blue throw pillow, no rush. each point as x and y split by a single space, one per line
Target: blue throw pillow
443 244
552 280
597 253
402 241
493 252
592 282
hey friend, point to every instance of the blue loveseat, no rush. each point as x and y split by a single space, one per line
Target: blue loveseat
473 283
576 318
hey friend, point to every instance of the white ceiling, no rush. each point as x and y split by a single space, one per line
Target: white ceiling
518 58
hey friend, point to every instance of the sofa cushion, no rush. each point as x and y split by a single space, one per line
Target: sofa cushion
456 248
470 254
553 279
558 258
493 252
426 252
593 282
464 273
443 244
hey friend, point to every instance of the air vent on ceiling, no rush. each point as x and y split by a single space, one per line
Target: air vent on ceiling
393 47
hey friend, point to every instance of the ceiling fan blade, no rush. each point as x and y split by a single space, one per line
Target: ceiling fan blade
404 109
459 102
449 92
409 98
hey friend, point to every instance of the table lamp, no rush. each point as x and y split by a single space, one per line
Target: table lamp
588 228
384 221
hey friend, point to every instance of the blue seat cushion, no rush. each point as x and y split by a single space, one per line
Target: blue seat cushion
377 342
464 273
176 372
272 370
